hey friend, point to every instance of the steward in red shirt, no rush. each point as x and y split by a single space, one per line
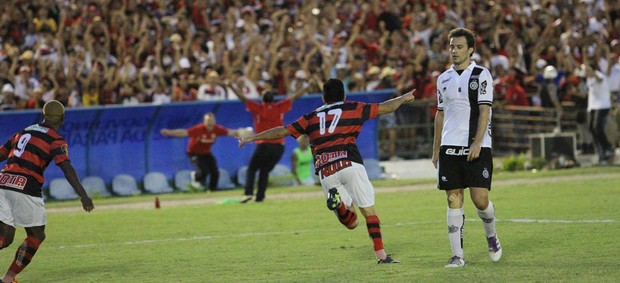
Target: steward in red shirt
266 115
201 137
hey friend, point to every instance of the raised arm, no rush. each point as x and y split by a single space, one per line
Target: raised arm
73 179
236 91
391 105
177 133
299 93
271 134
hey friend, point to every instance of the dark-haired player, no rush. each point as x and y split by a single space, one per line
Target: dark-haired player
333 129
462 143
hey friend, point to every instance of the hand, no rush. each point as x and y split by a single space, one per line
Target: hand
243 141
474 151
409 96
87 204
164 132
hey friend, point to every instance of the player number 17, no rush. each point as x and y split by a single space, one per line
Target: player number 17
332 126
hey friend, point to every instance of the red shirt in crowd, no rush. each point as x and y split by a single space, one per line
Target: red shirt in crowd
268 115
201 138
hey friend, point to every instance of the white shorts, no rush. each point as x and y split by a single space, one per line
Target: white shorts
352 184
17 209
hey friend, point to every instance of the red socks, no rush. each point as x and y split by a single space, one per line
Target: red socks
24 254
374 230
345 216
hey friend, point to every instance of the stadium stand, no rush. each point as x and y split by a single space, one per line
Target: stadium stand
373 169
125 185
95 186
156 183
60 189
182 180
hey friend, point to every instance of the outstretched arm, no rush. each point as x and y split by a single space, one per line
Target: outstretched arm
391 105
234 133
177 133
271 134
73 179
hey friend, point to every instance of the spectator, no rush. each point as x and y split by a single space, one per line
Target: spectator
302 162
8 98
599 105
24 85
210 89
575 89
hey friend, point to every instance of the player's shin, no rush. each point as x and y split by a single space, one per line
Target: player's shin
24 254
456 222
374 231
347 217
488 220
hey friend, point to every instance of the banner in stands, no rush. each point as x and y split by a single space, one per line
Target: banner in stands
112 140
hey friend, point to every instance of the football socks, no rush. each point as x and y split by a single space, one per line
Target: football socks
24 254
345 216
488 220
456 223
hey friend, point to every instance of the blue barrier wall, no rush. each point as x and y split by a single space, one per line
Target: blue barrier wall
107 141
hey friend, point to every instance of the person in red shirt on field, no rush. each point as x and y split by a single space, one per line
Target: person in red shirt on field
266 115
28 153
333 130
201 138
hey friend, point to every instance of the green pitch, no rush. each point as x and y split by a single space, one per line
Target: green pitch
560 226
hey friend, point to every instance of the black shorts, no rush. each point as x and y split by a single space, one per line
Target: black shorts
455 172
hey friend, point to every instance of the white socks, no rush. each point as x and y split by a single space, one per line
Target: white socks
488 220
456 221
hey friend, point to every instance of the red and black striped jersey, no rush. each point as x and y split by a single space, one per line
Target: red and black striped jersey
28 153
333 130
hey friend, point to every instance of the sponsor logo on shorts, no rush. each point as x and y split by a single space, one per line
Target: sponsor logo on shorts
444 179
13 181
485 173
457 151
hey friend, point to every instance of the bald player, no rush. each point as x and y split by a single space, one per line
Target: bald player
28 153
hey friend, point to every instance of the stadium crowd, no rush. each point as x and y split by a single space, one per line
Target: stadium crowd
99 52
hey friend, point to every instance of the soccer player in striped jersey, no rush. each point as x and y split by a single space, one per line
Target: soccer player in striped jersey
21 180
333 129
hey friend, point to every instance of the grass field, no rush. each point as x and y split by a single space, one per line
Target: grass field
558 226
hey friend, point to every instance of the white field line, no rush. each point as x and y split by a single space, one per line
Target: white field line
269 234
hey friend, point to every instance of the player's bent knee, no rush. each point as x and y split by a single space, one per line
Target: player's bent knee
352 225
